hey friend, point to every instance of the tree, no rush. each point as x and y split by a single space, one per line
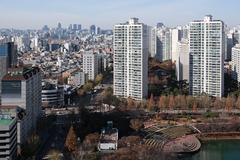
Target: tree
237 104
88 86
80 92
161 103
71 140
31 146
156 80
99 79
171 102
204 101
151 103
217 103
194 108
189 102
229 103
130 103
91 140
54 155
136 124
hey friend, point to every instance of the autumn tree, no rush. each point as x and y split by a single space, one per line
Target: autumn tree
161 103
99 79
136 124
91 141
171 102
151 103
229 103
130 103
217 103
189 102
194 108
88 86
71 140
80 92
182 101
204 101
237 104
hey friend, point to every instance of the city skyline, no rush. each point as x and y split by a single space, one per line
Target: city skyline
33 14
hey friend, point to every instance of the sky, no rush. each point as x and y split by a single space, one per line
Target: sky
33 14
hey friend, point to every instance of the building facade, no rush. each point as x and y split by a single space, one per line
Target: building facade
22 87
207 57
90 64
236 62
164 44
182 63
8 135
8 58
52 94
131 60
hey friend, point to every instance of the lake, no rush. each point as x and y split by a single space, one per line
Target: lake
217 150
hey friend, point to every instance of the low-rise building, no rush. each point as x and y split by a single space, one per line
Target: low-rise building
109 138
77 79
52 94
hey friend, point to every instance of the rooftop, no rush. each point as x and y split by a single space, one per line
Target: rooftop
5 120
20 73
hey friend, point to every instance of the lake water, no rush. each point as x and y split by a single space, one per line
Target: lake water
217 150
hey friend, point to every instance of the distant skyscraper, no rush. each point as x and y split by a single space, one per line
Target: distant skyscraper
90 64
79 27
93 29
160 25
70 27
98 30
131 60
75 27
59 26
236 63
8 58
207 57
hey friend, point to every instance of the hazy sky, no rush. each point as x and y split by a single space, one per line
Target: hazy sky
106 13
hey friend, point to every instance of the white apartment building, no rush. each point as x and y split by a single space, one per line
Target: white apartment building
175 37
182 62
153 42
236 62
207 40
131 60
90 64
164 44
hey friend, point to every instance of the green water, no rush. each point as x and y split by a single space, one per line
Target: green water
217 150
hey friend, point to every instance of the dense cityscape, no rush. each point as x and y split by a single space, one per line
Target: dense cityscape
133 92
